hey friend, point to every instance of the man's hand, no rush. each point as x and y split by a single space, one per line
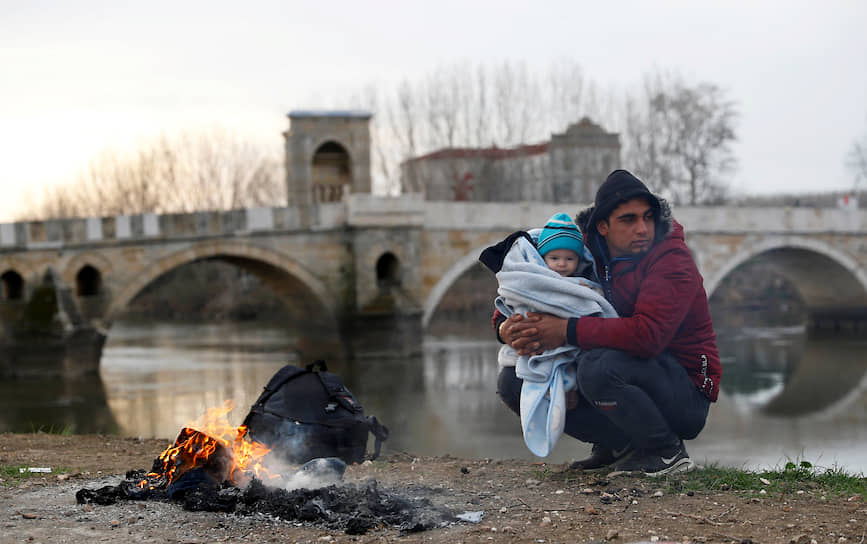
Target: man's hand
551 331
517 330
533 334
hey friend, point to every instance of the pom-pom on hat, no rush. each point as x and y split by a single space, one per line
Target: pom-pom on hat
560 232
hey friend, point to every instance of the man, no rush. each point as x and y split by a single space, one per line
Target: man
646 378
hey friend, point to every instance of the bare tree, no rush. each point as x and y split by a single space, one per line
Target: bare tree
212 170
470 105
856 161
679 135
676 134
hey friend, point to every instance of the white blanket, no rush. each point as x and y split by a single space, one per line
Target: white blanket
527 284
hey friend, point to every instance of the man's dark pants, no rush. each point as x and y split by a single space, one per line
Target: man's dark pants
626 400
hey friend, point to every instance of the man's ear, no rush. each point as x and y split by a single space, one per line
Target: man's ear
602 227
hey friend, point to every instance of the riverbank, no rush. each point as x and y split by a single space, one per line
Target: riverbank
522 501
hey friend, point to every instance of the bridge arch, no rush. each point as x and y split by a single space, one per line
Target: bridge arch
11 285
388 270
28 270
328 141
88 281
824 275
445 282
95 260
826 278
275 269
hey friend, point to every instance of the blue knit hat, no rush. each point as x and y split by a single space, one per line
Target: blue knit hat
560 232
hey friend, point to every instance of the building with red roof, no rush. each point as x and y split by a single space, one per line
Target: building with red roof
568 168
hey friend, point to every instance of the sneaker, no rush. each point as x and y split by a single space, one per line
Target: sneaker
601 457
656 462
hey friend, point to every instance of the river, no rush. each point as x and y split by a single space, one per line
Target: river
784 396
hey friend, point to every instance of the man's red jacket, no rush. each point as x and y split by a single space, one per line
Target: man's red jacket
663 307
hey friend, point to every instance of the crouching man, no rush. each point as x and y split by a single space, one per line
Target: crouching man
646 379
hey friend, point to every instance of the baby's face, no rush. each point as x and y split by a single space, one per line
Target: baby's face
562 261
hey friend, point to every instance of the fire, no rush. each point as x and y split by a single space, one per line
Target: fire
213 444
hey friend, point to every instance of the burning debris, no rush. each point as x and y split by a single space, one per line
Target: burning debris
220 469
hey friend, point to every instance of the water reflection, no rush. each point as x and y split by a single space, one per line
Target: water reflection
450 404
811 405
159 378
758 361
777 371
56 405
783 396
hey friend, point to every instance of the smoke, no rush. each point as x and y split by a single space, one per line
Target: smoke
291 439
292 443
315 474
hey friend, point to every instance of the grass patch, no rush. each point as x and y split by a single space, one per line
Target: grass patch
12 475
542 472
794 477
66 430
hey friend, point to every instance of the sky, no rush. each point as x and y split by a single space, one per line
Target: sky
78 77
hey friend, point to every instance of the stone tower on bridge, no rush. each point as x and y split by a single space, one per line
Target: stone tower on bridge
327 156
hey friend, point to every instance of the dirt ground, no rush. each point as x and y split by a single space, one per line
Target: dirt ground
521 501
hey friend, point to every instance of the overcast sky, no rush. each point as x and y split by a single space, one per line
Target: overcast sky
79 76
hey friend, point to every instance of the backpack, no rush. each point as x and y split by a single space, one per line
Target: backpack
305 413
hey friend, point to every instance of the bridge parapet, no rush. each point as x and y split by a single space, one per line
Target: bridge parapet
359 210
506 216
364 210
731 219
58 233
706 219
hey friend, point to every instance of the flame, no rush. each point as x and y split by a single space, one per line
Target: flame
198 443
248 455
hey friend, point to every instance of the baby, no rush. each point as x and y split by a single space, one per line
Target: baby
550 271
561 244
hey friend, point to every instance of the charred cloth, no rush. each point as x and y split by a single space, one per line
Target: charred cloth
201 473
354 509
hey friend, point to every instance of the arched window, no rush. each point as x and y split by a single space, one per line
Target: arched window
12 285
387 270
88 281
331 172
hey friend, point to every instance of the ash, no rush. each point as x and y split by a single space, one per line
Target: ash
352 508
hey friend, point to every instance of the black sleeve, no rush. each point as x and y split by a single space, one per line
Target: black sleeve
498 320
493 256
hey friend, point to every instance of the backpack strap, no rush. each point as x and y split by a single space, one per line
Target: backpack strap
380 433
277 381
337 392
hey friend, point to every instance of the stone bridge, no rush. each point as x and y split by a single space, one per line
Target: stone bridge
65 281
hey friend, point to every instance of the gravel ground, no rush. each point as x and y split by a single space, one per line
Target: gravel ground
520 501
